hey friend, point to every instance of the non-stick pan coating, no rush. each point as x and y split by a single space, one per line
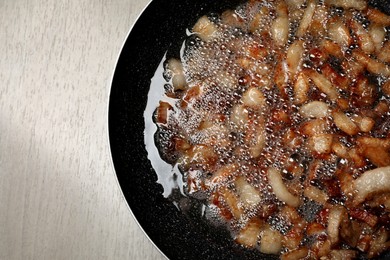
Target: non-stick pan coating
163 23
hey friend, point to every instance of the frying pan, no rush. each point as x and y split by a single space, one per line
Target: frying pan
161 26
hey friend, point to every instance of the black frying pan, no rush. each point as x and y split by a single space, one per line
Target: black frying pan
178 236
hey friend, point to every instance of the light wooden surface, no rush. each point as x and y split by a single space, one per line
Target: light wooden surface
59 197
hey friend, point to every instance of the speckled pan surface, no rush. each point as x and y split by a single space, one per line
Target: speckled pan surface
162 24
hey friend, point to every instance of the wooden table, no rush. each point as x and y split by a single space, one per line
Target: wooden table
59 197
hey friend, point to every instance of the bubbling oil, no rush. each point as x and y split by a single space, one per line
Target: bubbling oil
249 103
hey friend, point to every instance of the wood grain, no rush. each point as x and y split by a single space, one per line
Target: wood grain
59 198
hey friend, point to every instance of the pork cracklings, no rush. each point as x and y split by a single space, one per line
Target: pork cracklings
277 114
